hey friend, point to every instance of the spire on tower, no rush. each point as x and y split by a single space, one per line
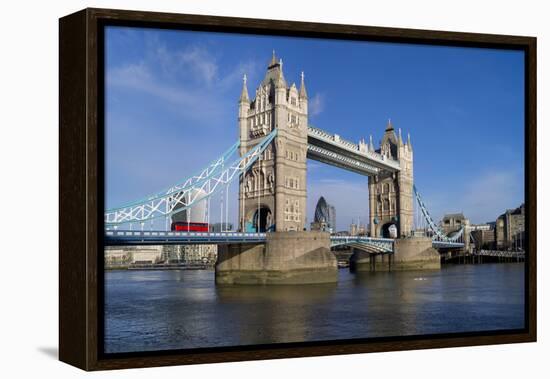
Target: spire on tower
389 126
400 138
409 140
371 145
273 59
280 81
244 92
303 92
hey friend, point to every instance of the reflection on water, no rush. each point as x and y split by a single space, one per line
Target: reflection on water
159 310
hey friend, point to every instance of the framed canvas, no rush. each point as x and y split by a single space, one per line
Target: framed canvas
240 189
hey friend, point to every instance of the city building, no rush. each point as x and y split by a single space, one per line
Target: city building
357 229
199 254
325 216
510 229
221 227
132 255
483 235
116 256
452 223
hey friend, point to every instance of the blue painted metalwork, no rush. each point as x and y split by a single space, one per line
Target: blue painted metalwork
128 237
180 198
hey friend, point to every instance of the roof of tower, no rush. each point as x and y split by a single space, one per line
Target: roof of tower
275 73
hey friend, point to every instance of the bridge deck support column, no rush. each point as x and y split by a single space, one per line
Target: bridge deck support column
286 258
361 261
415 253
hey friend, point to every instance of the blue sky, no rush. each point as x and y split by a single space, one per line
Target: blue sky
171 107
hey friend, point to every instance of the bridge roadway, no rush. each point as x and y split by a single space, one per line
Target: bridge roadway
130 237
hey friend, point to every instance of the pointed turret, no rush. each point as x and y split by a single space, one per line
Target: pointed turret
244 93
303 93
400 139
280 81
273 61
371 145
274 72
409 140
389 127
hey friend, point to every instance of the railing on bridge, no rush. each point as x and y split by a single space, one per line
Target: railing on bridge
128 237
500 253
368 244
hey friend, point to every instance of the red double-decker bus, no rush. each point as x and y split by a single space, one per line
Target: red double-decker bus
181 226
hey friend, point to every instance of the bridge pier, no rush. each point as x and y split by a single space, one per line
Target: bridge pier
286 258
410 254
415 253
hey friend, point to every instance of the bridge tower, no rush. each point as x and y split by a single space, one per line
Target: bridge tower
391 199
272 193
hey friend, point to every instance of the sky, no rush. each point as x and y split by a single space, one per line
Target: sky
172 96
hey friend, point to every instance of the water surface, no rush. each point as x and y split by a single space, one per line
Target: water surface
160 310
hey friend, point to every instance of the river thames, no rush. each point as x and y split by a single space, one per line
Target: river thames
181 309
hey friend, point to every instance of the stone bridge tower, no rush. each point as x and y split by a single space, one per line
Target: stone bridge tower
391 200
272 194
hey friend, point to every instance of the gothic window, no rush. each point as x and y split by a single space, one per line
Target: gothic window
293 100
386 205
386 188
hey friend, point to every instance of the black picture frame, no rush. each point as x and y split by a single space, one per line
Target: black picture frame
81 182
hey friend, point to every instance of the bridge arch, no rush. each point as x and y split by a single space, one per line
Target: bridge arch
260 219
388 230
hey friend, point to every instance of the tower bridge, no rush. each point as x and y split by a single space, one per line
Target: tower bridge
271 244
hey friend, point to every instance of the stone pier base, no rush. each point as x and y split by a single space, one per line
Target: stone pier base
410 254
286 258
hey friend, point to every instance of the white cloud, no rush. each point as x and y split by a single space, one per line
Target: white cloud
316 104
188 80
